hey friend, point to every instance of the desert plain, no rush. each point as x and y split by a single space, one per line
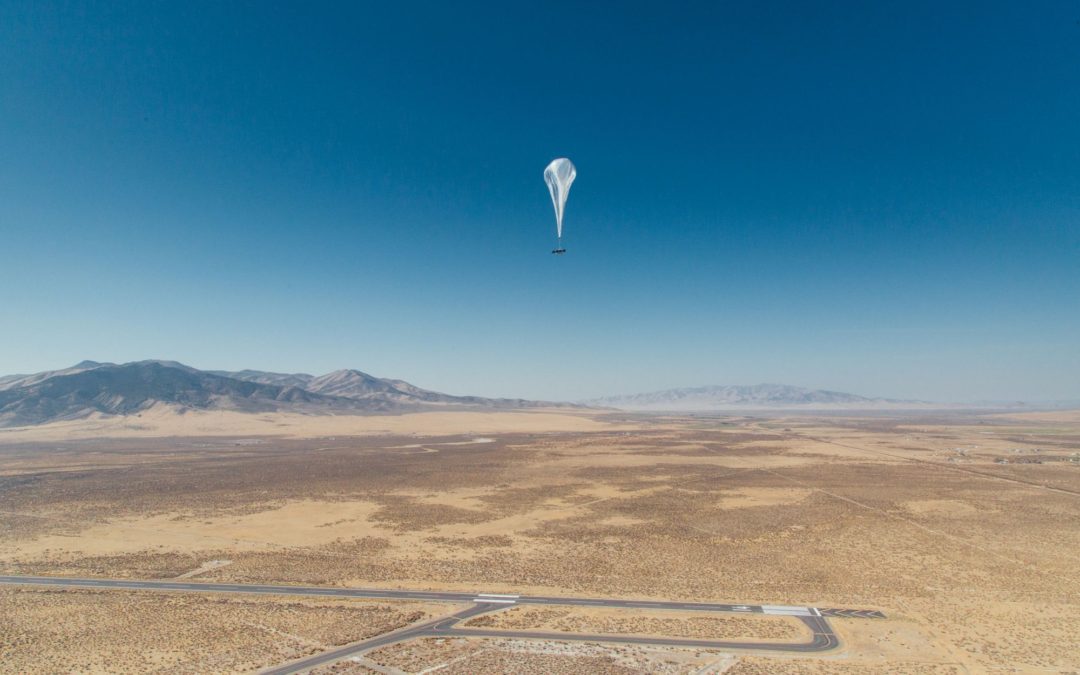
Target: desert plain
962 528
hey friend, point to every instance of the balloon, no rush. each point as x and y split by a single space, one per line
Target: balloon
559 176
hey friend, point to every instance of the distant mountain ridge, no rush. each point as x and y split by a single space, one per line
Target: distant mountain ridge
262 377
12 381
720 397
123 389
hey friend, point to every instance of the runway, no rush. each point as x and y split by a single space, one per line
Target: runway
823 637
393 594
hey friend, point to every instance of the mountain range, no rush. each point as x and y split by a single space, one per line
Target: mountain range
723 397
90 387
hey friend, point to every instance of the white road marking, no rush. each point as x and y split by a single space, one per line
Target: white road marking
785 610
497 595
503 602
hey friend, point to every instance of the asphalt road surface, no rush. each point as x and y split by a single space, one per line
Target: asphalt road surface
437 596
823 639
440 626
823 636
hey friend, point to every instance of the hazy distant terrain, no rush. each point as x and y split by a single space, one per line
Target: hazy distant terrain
722 397
90 388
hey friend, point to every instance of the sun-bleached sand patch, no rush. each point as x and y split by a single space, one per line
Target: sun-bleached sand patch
1045 416
621 521
298 523
571 461
941 507
751 497
475 441
208 566
163 421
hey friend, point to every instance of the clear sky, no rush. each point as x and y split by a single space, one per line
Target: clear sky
875 197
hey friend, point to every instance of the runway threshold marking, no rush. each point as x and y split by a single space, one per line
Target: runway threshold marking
785 610
496 600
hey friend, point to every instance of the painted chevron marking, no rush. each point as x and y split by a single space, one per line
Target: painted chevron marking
853 613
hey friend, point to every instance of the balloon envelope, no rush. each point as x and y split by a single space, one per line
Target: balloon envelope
559 176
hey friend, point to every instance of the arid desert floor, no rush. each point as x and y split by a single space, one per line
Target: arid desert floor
962 528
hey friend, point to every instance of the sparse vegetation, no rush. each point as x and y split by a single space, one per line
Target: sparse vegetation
50 631
974 563
638 622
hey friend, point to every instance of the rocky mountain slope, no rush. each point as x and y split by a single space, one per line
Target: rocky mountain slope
124 389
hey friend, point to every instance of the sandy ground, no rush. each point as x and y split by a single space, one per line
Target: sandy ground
89 631
615 621
1066 416
164 421
962 529
466 657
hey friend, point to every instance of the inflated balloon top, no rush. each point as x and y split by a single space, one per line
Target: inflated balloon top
559 176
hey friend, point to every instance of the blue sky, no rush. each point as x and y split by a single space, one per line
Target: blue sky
881 198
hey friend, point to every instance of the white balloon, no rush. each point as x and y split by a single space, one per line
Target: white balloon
559 176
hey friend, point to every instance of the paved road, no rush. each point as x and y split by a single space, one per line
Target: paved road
433 627
437 596
823 636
